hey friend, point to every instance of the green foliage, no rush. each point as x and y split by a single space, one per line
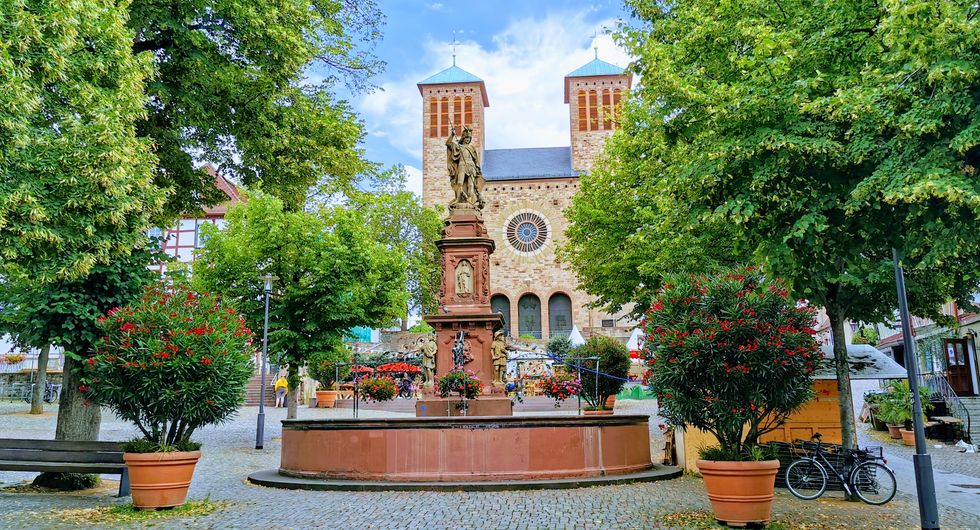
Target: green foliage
613 359
558 346
560 386
730 351
67 481
421 327
171 363
233 87
325 366
753 453
895 405
397 219
75 181
865 335
142 445
332 275
527 337
377 389
819 136
462 383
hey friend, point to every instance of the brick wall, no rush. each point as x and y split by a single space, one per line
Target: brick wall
435 176
586 144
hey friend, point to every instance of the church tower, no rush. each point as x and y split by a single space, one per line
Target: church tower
451 97
593 93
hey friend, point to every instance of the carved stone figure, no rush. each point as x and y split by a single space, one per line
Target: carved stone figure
464 278
498 353
465 175
428 351
459 350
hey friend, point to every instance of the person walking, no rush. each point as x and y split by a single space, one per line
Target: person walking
281 386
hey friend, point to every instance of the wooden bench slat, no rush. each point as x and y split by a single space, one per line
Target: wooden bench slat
90 457
60 445
62 467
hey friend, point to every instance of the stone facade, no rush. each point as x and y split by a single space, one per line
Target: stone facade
587 143
520 276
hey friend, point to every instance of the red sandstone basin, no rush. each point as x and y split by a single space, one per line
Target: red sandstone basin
445 449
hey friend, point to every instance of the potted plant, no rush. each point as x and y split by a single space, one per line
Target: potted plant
732 355
328 368
873 400
172 362
377 388
612 359
560 386
896 409
459 382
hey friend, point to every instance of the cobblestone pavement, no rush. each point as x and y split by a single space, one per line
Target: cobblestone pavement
229 457
944 456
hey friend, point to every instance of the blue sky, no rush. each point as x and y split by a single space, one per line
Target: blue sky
521 49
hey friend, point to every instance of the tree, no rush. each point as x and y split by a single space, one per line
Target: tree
823 135
398 220
239 85
66 313
607 356
332 276
75 180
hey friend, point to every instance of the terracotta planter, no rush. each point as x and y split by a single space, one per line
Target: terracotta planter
160 480
597 412
908 437
740 492
611 402
326 398
893 431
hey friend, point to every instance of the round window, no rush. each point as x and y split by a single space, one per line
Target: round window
526 232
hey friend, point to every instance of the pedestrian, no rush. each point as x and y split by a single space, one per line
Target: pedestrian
281 386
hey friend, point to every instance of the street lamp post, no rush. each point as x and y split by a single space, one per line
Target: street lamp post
260 420
921 461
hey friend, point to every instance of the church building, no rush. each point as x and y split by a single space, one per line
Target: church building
526 192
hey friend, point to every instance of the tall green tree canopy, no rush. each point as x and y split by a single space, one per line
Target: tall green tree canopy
820 135
332 276
397 219
235 85
75 180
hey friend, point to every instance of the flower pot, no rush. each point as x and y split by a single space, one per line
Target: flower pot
326 398
160 480
611 402
740 492
893 431
908 437
601 412
876 422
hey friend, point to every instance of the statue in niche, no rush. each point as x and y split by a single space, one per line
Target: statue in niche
464 278
465 175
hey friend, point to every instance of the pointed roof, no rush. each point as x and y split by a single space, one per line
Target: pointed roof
596 67
455 75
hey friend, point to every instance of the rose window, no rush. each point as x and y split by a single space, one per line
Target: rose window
526 232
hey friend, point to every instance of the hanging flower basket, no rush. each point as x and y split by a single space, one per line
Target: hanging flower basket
457 382
560 387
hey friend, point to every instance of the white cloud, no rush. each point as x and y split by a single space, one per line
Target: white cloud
414 181
524 73
435 6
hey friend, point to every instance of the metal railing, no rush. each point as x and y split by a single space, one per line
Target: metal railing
938 385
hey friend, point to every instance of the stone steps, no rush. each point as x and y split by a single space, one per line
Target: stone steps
253 390
972 404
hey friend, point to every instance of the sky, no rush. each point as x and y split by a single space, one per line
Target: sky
521 49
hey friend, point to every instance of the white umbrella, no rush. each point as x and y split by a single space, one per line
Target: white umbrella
575 337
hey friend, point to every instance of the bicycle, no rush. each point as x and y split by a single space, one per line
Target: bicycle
870 480
50 393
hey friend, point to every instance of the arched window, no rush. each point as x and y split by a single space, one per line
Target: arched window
607 111
444 116
433 118
583 115
529 316
560 315
593 110
499 303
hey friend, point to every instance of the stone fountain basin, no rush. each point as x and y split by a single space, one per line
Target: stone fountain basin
466 449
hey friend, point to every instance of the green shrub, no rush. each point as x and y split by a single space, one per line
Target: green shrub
558 346
325 366
421 327
67 481
613 359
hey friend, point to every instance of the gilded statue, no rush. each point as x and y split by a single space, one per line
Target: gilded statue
465 175
498 354
464 278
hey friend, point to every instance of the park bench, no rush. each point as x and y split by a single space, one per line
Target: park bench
65 456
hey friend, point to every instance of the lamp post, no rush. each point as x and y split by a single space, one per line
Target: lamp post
260 420
925 486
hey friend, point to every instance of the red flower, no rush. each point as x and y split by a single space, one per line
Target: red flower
127 327
205 361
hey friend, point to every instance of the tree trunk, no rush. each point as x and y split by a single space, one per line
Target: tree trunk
293 379
77 419
405 324
845 400
37 399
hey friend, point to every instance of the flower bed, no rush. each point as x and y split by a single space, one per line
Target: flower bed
14 358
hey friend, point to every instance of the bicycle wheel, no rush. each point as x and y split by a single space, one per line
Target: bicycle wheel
806 479
873 482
